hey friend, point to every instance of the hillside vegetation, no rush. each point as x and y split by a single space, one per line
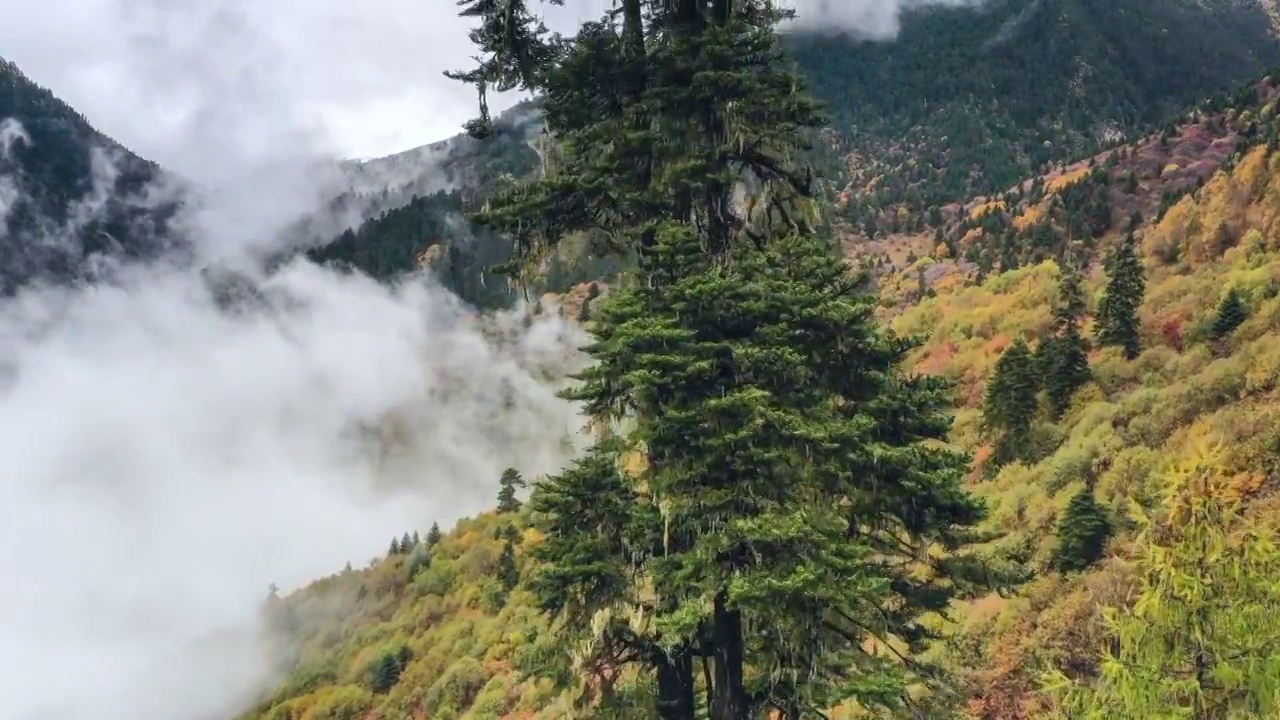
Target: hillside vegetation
778 529
1191 405
970 100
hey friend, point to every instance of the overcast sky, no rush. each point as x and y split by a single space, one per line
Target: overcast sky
190 83
259 77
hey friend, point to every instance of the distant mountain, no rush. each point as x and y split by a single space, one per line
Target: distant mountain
968 100
410 210
965 102
68 193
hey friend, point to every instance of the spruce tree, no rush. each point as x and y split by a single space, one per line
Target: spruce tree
1118 308
776 468
433 536
508 573
809 454
395 547
1066 356
1231 314
1082 533
507 486
1009 406
385 673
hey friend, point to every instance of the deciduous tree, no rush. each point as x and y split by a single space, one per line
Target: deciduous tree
1202 641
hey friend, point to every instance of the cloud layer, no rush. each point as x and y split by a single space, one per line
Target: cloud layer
873 19
164 458
179 437
201 84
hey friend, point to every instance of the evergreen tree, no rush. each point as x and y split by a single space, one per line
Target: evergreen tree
1231 314
1118 309
1202 641
513 41
1009 406
508 573
1066 358
1082 533
507 486
433 536
418 561
759 444
385 673
781 471
406 544
395 547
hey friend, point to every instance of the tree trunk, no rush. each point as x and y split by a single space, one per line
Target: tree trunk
675 685
721 10
633 29
728 697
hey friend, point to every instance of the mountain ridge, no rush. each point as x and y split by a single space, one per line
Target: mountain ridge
75 193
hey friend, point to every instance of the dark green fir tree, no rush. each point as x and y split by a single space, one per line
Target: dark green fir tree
1082 533
1066 360
764 461
508 484
1010 404
1118 309
1231 314
385 673
508 572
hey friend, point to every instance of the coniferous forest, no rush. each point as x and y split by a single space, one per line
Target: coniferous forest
1017 464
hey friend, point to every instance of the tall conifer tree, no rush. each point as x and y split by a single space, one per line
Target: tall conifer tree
1009 407
777 497
508 484
1231 314
1082 533
1065 353
1118 309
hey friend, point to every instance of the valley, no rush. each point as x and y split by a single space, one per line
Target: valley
982 426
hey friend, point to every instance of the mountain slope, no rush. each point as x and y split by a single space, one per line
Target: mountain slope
416 204
431 631
66 190
969 100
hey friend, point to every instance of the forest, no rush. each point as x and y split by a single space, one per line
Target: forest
946 111
1022 467
53 157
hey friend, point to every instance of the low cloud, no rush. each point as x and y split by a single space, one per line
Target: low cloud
178 435
872 19
166 453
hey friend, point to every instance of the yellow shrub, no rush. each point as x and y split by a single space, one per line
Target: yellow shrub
345 702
